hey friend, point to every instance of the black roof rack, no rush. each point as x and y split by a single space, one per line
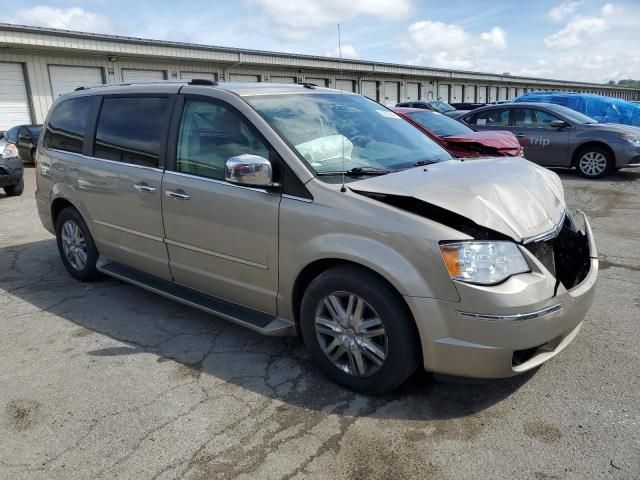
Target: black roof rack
202 81
79 88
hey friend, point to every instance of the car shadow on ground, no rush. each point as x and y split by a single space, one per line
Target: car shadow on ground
205 345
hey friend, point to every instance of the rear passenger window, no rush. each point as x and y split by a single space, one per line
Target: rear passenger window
210 134
67 124
130 129
499 118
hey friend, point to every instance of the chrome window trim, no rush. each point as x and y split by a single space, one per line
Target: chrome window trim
153 169
299 199
512 317
128 230
216 254
216 181
549 234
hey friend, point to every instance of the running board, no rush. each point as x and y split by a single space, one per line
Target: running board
252 319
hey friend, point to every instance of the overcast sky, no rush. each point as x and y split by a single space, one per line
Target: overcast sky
585 40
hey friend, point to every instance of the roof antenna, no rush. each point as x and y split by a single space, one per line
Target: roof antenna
343 189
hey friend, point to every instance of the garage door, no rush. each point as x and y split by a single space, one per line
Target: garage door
443 92
413 91
238 77
276 79
457 94
470 93
14 102
136 76
321 82
346 85
66 79
482 95
201 75
391 94
370 89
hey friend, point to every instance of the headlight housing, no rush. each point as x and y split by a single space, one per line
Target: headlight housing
631 137
10 151
483 262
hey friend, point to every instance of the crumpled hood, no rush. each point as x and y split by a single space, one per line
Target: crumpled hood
498 140
509 195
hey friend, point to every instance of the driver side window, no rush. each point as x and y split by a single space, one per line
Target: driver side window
209 135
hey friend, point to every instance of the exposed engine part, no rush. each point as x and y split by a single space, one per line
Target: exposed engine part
437 214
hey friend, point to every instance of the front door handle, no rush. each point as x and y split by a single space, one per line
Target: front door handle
143 188
178 195
519 135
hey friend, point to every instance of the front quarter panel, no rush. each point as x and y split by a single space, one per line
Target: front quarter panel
399 246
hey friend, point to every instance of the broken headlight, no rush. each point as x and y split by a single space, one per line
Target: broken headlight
483 262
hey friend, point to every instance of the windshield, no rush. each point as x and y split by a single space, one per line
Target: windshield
439 124
337 132
442 106
572 115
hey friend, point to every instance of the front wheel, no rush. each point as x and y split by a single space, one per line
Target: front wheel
594 162
358 330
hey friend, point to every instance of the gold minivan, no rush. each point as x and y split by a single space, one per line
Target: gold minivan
299 210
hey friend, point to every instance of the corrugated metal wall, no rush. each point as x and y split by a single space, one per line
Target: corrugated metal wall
41 94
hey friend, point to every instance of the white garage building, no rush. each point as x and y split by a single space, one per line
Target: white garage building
39 64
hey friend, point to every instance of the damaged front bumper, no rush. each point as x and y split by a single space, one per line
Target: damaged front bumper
502 330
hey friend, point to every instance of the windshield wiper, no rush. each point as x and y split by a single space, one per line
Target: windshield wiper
358 172
422 163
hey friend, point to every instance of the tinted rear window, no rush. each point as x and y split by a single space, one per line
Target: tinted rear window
67 124
131 129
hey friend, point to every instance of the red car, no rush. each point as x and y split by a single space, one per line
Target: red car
458 139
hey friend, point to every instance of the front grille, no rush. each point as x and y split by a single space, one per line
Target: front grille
543 251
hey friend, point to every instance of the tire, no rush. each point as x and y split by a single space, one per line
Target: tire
594 162
353 343
15 190
82 264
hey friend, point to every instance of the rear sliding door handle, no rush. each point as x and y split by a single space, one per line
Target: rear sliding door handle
143 188
177 194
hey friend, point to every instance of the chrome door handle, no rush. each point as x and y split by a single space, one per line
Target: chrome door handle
143 188
178 195
519 135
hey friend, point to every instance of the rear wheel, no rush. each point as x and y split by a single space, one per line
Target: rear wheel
75 245
594 162
15 190
358 330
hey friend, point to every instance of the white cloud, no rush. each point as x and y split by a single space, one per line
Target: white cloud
299 19
595 48
576 32
348 51
450 46
562 11
68 19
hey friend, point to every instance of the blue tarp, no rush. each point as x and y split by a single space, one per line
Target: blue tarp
603 109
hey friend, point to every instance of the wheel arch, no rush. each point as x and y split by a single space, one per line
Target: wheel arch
589 144
317 267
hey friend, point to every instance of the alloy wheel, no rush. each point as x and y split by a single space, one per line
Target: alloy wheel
351 334
74 245
593 163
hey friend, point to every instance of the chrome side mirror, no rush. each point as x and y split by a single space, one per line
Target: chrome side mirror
251 170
